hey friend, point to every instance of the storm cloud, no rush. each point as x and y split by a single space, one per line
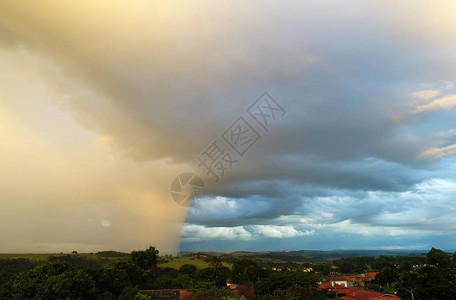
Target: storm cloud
365 148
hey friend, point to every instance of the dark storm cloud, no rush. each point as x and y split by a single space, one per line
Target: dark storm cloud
343 76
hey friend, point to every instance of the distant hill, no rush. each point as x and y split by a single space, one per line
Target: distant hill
312 255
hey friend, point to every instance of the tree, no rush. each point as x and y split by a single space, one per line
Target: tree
284 281
427 282
439 258
188 269
130 293
71 284
299 293
208 291
233 298
183 281
387 276
246 270
140 296
215 262
217 275
145 259
52 281
115 278
324 269
344 265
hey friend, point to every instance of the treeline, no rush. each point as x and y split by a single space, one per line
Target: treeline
122 276
431 278
414 277
368 263
78 277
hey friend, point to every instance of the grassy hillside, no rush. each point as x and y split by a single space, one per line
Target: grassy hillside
177 262
106 256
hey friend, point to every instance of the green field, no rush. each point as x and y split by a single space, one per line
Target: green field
31 256
173 262
177 262
44 257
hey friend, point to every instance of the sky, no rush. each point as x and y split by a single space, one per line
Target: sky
104 103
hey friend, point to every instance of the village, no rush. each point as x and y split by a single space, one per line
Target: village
346 287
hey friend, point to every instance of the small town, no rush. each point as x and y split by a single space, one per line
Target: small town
349 287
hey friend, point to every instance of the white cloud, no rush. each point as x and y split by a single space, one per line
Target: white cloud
160 70
438 85
447 133
435 186
105 140
426 94
105 223
363 229
438 152
425 100
448 85
444 103
194 233
273 231
425 209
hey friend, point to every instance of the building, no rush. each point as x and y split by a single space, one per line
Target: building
241 290
333 289
362 280
368 295
339 287
185 295
347 281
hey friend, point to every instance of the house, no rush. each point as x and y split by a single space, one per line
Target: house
307 270
185 295
347 281
368 295
241 290
333 289
364 279
348 287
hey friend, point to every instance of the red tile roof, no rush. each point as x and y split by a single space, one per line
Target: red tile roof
341 289
242 290
358 278
371 275
348 278
368 295
325 286
185 295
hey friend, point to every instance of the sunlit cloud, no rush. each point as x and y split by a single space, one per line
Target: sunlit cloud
438 152
192 233
105 223
103 103
447 133
274 231
444 103
426 94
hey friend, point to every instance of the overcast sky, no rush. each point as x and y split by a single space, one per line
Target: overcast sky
104 103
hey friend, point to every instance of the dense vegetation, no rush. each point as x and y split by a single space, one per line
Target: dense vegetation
114 275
